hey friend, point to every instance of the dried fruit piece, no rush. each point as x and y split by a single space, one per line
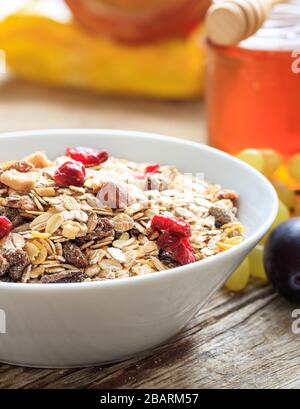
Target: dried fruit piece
39 160
17 260
70 174
21 166
222 215
178 247
152 169
168 241
183 254
21 182
229 195
172 225
63 277
12 215
5 226
87 156
74 255
46 191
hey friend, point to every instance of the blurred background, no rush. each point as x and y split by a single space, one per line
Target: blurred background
122 64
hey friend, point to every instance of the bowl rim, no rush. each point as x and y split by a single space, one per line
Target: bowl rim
159 275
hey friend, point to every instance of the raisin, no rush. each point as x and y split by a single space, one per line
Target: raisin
63 277
167 259
229 195
74 255
103 229
17 260
222 215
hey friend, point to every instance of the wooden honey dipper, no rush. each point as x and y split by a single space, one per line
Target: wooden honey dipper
231 21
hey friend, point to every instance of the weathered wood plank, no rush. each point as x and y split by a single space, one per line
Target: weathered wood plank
237 341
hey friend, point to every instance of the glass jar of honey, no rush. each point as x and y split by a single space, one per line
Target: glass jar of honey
253 89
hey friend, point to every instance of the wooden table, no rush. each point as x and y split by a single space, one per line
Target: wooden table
238 341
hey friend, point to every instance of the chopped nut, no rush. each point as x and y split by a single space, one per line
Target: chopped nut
21 182
38 160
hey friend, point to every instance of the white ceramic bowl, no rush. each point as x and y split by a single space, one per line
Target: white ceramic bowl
67 325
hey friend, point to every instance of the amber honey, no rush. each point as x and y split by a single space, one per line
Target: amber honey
253 94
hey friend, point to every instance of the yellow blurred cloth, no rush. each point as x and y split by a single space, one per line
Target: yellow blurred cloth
42 49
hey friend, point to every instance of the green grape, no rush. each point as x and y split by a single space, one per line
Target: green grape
294 166
257 268
253 157
239 279
282 215
286 195
272 161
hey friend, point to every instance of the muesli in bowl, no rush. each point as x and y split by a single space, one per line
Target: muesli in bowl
88 216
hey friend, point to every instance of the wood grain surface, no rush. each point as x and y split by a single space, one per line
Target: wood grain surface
237 341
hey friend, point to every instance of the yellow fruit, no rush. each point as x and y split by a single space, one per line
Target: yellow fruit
286 195
272 161
294 166
257 268
239 279
253 157
282 215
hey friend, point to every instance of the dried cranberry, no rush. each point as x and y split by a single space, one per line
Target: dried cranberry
152 169
178 247
168 241
172 225
183 255
5 226
22 166
70 174
87 156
